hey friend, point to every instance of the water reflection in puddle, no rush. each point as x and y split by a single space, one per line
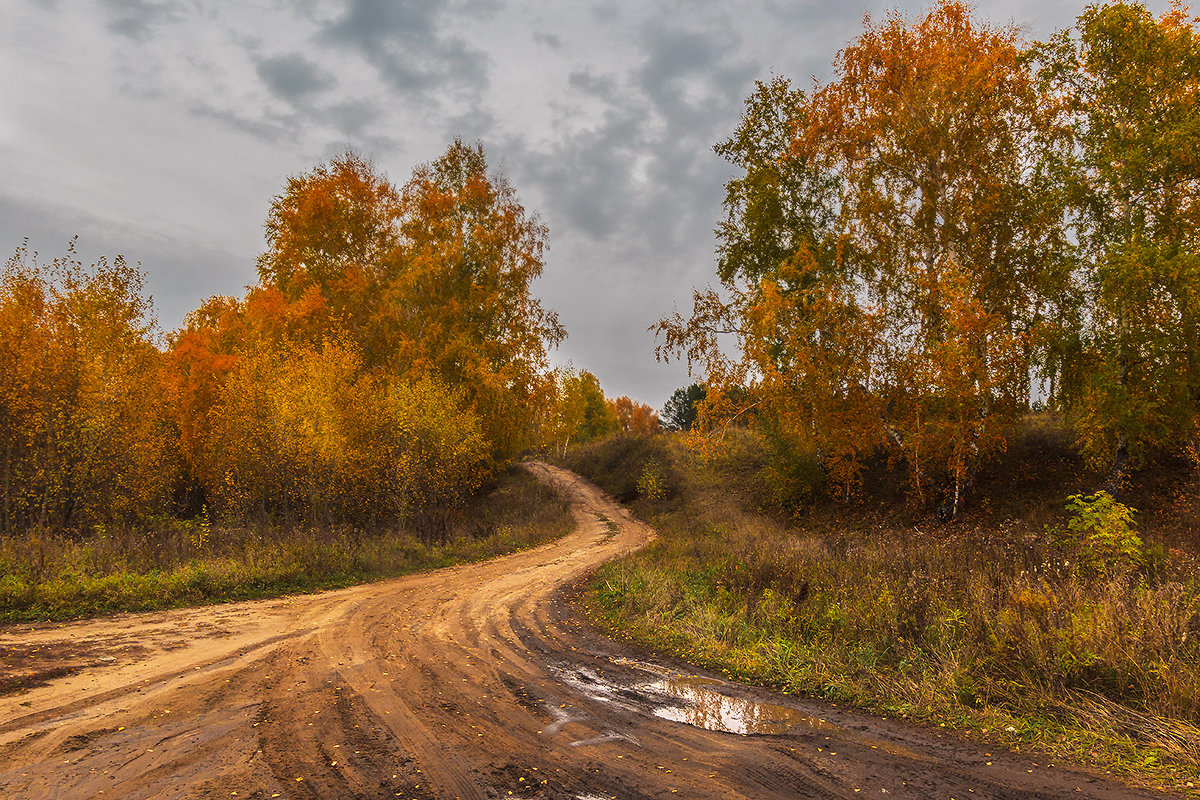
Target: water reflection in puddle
703 706
695 701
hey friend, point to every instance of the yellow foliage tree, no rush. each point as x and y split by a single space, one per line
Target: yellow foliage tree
431 279
302 434
85 436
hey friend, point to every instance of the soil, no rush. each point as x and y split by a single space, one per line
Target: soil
476 681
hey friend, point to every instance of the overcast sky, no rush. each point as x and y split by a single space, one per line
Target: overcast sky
161 129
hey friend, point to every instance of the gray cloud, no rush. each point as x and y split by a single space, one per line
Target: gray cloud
179 273
607 12
263 125
137 19
404 42
548 39
645 168
293 77
473 123
601 86
353 117
603 113
695 75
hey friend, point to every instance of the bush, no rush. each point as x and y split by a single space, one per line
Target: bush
618 464
652 483
1105 531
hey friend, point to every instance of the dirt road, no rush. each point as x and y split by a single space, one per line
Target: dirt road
471 682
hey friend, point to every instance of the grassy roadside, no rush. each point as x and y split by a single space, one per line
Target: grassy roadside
996 625
192 563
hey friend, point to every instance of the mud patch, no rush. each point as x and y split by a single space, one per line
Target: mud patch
693 700
28 666
79 741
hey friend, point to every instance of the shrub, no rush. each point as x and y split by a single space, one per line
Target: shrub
1106 533
652 483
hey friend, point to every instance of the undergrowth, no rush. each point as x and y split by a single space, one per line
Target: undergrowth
176 563
1043 630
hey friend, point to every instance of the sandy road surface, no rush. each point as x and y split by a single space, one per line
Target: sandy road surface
471 682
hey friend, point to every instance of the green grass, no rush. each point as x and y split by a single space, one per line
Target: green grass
176 563
999 625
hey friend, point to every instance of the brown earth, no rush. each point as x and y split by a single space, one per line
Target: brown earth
470 682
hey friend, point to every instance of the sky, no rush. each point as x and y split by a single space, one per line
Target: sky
162 129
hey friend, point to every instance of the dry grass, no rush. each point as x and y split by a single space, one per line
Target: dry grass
175 563
998 622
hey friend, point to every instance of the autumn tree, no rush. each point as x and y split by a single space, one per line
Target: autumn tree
335 231
632 416
380 313
211 343
433 278
463 304
302 434
1126 84
84 434
888 254
574 410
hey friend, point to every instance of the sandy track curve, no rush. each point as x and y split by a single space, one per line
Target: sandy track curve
469 682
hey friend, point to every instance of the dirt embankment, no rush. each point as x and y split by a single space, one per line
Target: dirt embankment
470 682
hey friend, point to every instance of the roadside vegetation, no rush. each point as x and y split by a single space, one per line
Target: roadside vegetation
352 416
1033 620
164 563
942 459
387 363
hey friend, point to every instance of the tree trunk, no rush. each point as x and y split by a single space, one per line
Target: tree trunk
1115 483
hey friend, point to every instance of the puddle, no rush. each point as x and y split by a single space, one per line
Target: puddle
701 702
701 705
693 700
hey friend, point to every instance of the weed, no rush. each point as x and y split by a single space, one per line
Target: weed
652 483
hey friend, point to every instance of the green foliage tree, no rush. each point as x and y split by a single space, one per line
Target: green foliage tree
1125 85
680 410
1105 532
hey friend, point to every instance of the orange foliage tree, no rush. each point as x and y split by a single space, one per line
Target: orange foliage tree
390 357
85 438
889 254
380 313
431 279
633 416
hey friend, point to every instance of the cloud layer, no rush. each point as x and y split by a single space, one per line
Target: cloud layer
161 129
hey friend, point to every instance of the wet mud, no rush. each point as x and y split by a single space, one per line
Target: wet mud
695 700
